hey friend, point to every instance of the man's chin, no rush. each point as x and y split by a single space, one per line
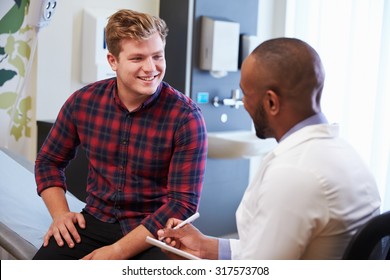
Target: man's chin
149 90
262 136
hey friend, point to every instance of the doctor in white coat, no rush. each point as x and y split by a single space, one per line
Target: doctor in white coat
312 192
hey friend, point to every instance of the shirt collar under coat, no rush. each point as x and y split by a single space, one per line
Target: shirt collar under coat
318 118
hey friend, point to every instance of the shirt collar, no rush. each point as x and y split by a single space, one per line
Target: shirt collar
153 97
148 101
318 118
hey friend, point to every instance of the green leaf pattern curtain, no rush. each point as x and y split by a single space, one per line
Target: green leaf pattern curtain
17 45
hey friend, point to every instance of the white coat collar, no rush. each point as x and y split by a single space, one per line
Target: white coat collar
306 133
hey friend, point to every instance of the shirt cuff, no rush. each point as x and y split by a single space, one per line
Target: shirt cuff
224 252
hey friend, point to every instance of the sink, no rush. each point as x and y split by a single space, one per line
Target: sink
237 144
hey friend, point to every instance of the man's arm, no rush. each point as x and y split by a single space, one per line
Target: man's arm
188 239
127 247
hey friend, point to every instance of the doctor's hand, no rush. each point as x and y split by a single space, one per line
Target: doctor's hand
189 239
63 229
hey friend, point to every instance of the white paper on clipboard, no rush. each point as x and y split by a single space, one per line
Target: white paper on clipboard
174 250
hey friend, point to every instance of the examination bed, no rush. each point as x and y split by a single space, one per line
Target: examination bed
24 218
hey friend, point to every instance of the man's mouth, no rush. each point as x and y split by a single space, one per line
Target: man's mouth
149 78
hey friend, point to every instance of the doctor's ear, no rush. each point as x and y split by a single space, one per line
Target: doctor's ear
271 102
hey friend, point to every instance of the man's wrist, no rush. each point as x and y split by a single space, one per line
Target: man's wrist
209 248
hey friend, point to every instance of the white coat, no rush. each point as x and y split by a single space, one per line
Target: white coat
310 195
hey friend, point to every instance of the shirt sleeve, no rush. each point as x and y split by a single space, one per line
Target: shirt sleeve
57 150
224 252
186 172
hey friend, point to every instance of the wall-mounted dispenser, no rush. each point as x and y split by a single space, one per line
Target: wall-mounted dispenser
94 51
219 46
248 44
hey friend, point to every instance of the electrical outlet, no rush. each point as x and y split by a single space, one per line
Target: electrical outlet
42 12
47 10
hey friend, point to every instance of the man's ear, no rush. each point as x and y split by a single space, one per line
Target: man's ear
271 102
112 61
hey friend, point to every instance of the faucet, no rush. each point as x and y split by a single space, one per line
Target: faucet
234 101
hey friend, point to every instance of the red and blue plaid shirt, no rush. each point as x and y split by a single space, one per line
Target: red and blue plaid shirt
145 166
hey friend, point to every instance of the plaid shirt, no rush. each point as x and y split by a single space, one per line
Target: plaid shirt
145 166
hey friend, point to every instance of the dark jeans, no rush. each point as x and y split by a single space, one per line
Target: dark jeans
96 234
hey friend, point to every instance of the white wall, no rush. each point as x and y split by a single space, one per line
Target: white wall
271 19
58 67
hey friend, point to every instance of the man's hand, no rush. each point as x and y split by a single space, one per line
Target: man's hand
63 228
188 238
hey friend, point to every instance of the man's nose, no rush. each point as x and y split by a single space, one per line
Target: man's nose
149 65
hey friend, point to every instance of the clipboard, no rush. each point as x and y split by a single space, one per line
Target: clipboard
171 249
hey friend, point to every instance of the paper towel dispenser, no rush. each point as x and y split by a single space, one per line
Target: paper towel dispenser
219 45
94 52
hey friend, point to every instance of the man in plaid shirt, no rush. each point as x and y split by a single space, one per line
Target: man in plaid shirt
146 144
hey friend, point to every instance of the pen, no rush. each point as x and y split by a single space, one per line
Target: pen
188 220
